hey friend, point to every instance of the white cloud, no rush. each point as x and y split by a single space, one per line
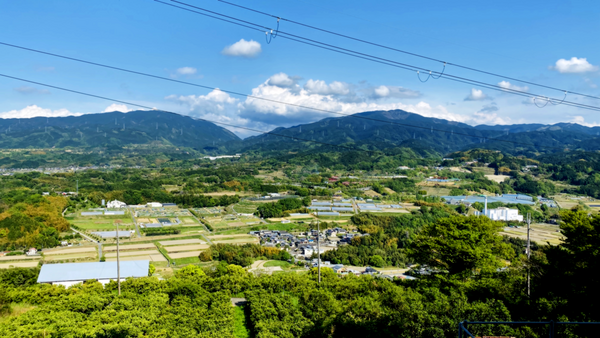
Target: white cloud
117 107
322 88
574 65
508 85
31 90
243 48
186 71
277 114
35 111
581 120
283 80
394 92
476 95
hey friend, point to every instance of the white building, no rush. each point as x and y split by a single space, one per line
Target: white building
154 205
116 204
502 214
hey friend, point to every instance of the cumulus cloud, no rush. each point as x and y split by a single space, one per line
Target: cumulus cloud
26 90
117 107
574 65
283 80
186 71
322 88
243 48
581 120
508 85
283 115
393 92
336 96
35 111
477 95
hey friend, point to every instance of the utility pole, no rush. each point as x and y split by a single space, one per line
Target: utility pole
118 265
528 255
318 251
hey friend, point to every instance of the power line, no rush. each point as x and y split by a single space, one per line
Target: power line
254 97
406 52
201 119
241 127
384 61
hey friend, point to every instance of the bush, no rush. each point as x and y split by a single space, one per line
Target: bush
160 231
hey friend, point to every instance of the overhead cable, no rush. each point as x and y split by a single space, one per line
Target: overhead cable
369 57
251 96
407 52
218 122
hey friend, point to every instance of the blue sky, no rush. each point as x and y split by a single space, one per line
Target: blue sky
521 39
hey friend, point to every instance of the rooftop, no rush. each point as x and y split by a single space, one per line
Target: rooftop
97 270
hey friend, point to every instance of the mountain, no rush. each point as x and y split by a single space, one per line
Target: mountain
113 129
368 130
381 129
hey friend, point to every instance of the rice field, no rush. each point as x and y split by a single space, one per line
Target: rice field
152 258
68 251
19 265
19 258
185 254
181 248
132 253
128 247
540 233
182 241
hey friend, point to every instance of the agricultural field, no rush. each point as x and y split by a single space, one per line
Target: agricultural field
78 253
540 233
208 211
497 178
161 212
229 221
19 265
566 201
233 239
246 207
184 251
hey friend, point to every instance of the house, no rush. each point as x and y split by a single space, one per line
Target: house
501 214
31 252
69 274
116 204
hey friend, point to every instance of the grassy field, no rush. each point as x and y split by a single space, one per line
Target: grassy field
103 224
240 328
540 233
19 265
246 207
485 170
282 264
186 261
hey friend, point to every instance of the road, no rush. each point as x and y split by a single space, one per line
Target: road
137 229
206 238
91 240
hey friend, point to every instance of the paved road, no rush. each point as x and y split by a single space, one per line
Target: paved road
91 240
137 229
206 238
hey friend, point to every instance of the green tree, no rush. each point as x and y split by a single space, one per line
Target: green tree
461 246
377 261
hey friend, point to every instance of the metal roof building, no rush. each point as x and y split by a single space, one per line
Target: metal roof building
68 274
112 234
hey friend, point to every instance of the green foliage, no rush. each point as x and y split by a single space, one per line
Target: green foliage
281 207
160 231
460 247
245 254
377 261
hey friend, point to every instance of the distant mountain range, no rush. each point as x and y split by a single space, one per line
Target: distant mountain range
112 129
376 129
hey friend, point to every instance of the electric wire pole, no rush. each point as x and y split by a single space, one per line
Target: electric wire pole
528 255
318 251
118 265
